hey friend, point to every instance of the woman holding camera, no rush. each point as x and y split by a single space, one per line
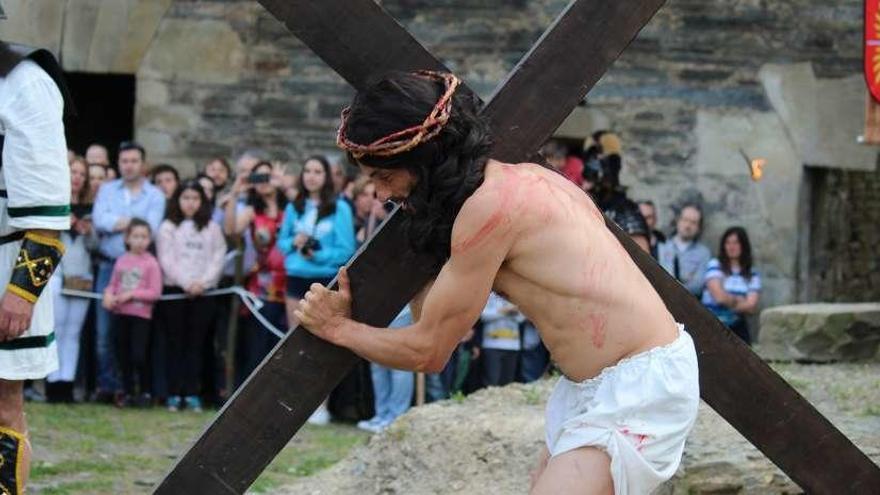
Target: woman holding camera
260 219
317 235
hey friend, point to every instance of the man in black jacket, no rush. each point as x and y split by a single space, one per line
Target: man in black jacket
602 169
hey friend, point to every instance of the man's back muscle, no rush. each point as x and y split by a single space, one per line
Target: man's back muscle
564 269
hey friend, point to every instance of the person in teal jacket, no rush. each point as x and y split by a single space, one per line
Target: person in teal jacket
317 234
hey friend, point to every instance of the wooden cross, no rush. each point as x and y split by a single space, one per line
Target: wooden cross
358 39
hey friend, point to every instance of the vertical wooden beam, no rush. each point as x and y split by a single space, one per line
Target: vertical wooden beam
357 38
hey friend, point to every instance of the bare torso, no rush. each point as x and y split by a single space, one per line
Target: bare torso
567 272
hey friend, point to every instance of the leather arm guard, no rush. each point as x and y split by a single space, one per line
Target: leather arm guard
37 259
12 446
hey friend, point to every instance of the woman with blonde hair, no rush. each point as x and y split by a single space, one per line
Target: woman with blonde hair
75 273
368 210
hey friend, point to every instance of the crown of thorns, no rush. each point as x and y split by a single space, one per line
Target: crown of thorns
406 139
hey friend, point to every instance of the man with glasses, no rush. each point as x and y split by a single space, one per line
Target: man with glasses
683 255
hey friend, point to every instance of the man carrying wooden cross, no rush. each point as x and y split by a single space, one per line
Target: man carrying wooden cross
618 419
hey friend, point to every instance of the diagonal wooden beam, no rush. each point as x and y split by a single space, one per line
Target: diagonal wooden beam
272 405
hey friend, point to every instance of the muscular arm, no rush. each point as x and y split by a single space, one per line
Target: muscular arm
448 313
481 239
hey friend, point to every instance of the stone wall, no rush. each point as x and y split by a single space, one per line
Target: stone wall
703 82
244 81
844 254
96 36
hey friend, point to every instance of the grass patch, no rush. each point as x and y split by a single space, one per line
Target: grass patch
856 397
873 410
78 487
98 449
311 465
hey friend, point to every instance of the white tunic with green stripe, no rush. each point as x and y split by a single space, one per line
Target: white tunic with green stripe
34 194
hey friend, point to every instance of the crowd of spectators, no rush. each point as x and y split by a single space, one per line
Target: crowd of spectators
140 232
151 245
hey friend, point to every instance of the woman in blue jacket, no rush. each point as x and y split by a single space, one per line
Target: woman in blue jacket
317 235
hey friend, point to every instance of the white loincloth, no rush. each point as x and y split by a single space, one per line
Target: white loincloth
638 411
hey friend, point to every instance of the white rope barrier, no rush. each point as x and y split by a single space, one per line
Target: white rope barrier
250 300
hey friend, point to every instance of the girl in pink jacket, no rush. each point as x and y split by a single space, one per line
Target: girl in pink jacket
134 287
191 251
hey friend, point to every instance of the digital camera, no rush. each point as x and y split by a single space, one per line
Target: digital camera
310 245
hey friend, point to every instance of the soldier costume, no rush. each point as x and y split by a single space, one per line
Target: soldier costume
34 195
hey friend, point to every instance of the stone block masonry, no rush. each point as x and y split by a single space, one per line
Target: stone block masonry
217 76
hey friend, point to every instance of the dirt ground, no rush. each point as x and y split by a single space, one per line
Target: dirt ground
487 443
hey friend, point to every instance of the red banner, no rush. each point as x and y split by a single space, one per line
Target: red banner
872 47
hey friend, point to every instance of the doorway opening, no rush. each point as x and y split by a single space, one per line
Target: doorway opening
104 111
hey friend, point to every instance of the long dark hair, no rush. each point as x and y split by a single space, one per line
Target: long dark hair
745 257
203 214
84 193
327 205
257 202
447 168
